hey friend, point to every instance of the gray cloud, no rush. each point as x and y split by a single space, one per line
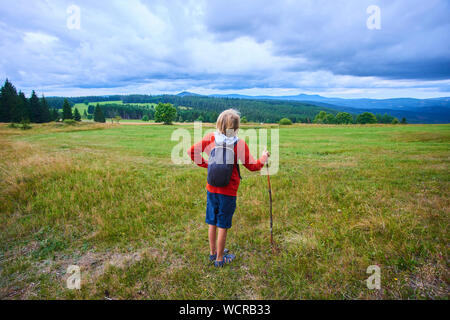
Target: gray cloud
413 43
167 46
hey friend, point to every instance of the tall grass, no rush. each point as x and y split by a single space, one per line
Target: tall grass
108 198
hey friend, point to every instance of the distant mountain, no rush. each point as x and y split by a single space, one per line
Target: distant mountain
188 94
396 103
435 110
300 107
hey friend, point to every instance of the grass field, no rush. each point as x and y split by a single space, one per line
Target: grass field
82 106
108 199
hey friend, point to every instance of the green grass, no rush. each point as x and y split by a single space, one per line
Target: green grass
108 198
82 106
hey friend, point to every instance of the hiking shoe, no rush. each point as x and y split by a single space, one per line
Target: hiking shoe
212 257
226 259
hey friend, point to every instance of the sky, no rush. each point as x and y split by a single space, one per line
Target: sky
335 48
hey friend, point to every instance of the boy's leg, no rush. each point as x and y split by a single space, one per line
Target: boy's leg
222 239
212 239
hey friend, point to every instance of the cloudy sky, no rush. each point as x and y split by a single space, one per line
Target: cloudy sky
247 46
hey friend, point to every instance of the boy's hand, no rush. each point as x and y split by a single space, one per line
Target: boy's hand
266 153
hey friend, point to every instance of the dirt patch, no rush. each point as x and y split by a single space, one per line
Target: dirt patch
429 281
94 264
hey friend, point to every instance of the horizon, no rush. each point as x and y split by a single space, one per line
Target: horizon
352 50
218 95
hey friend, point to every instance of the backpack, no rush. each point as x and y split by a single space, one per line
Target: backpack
221 162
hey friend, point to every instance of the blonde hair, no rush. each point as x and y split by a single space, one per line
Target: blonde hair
228 122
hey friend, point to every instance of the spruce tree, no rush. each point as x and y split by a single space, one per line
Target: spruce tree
98 114
17 108
35 109
25 107
67 110
55 115
9 102
45 111
76 115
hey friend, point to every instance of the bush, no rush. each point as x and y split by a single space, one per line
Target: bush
145 118
320 117
344 118
70 122
285 121
366 118
25 125
13 125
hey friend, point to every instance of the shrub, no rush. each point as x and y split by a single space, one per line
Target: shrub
366 118
320 117
70 122
25 125
145 118
285 121
344 118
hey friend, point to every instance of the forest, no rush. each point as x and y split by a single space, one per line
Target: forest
15 107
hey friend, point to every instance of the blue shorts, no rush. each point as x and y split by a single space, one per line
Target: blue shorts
220 209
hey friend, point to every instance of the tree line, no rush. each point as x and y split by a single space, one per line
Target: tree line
15 107
192 108
124 111
363 118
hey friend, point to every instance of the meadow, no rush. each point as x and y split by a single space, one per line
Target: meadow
108 198
82 107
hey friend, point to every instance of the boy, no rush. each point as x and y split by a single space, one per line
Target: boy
222 189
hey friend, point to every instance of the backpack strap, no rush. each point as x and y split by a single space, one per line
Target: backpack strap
236 160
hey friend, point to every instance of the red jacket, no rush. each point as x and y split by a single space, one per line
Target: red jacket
243 154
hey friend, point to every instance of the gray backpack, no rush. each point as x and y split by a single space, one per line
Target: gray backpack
222 160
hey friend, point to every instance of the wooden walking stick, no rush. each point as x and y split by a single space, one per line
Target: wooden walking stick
270 198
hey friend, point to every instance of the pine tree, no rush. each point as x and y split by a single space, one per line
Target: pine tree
45 111
35 108
55 116
67 110
17 108
9 102
98 114
25 107
76 115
